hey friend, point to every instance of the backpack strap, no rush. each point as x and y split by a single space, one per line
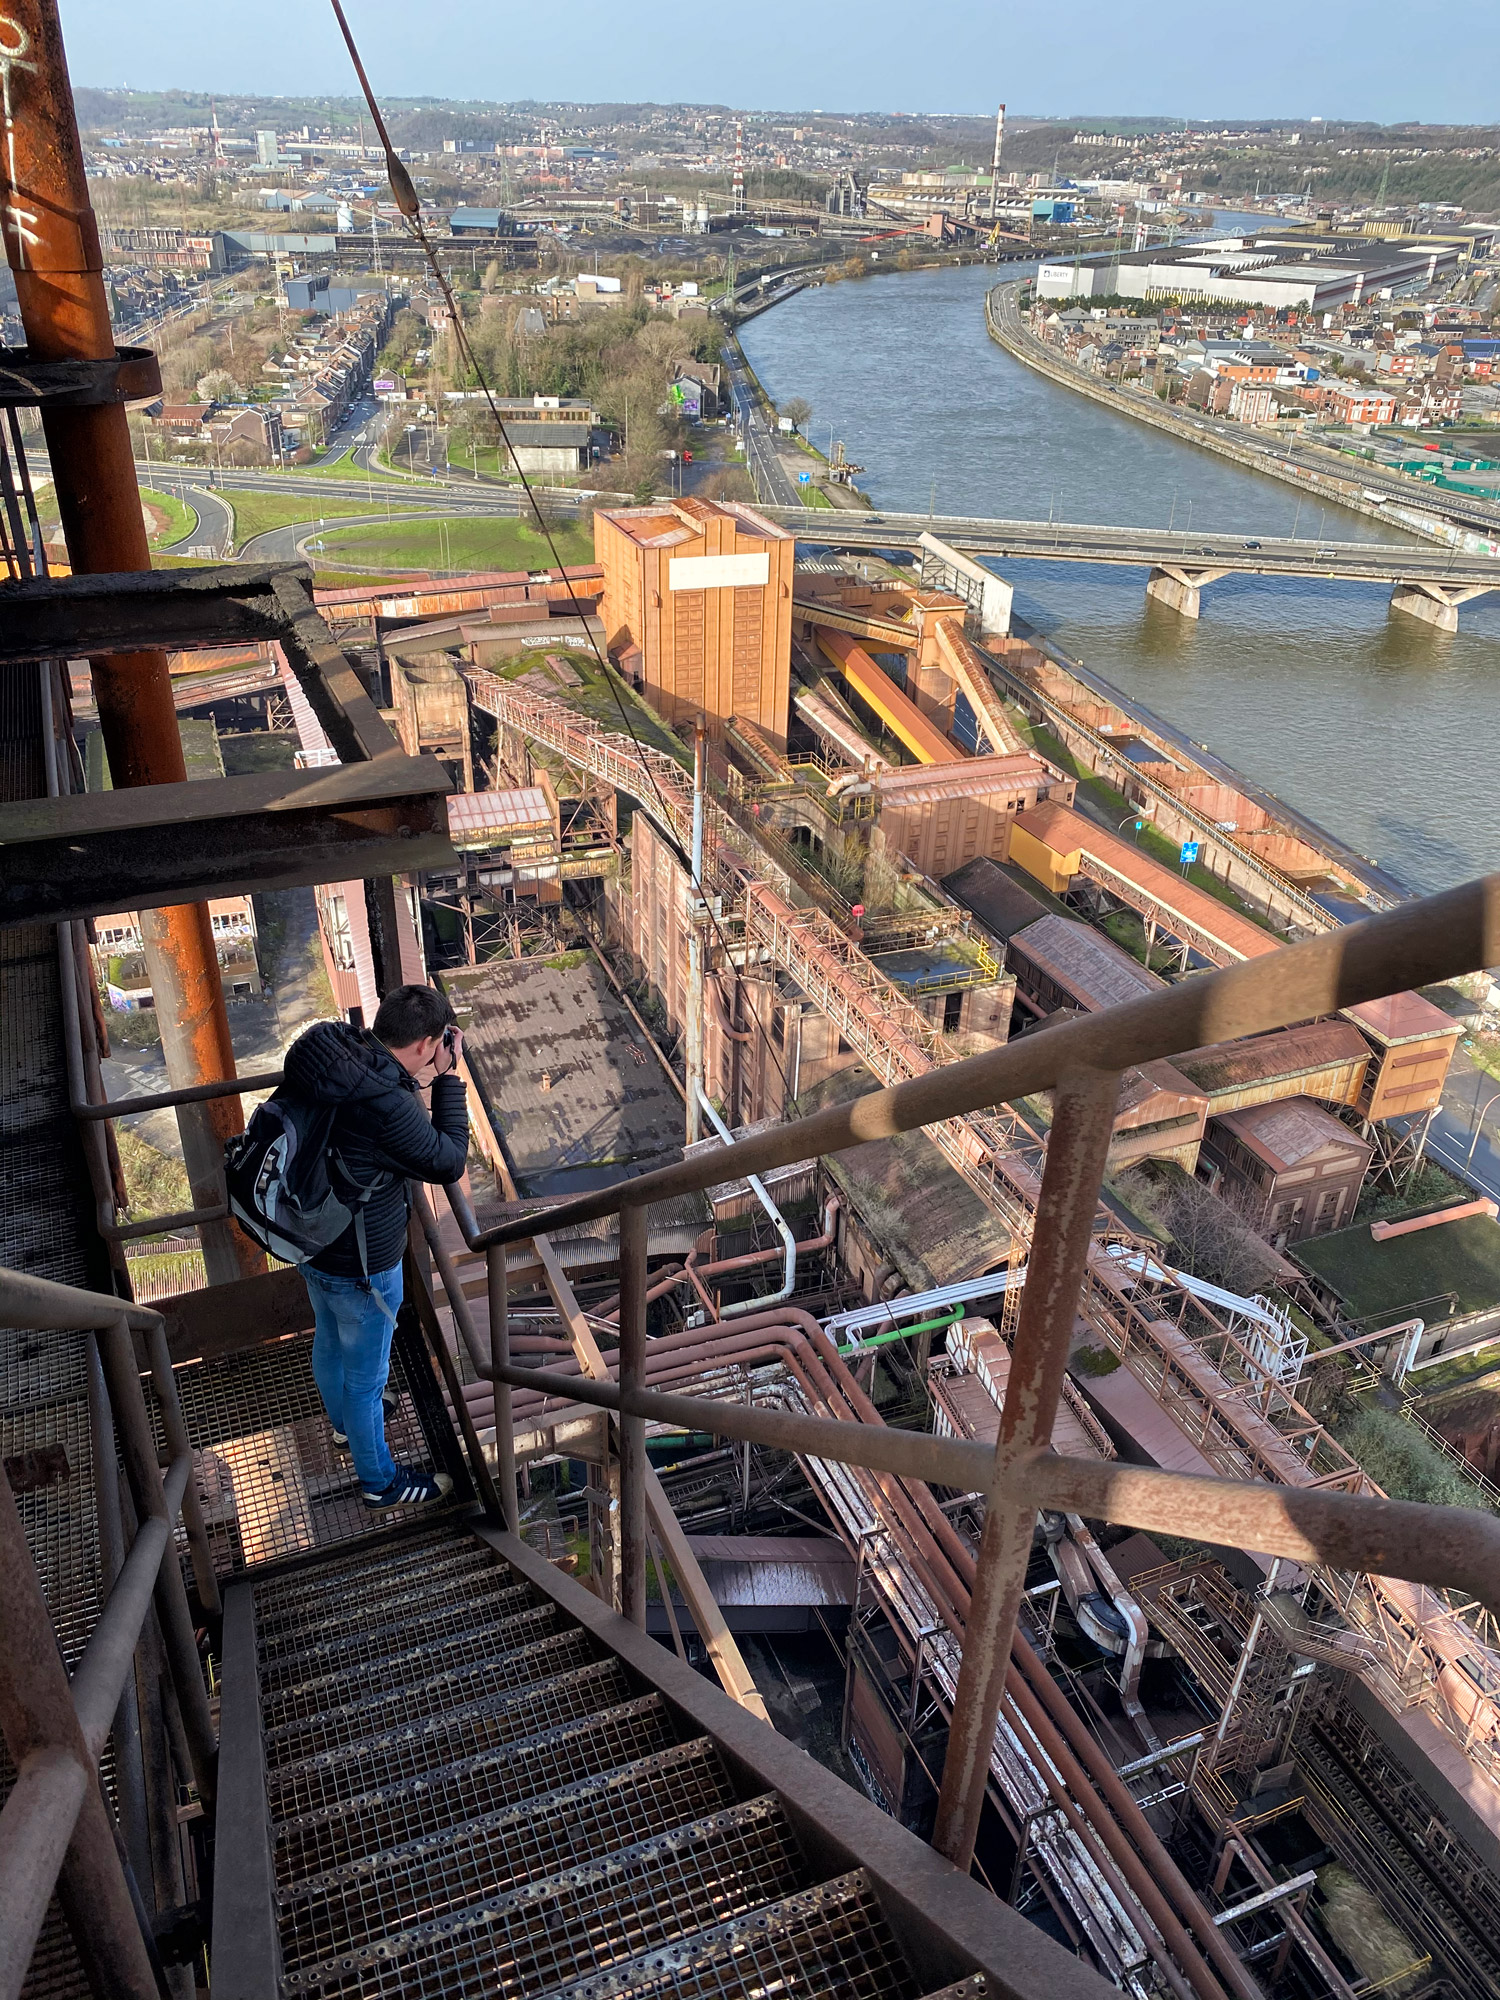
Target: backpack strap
359 1238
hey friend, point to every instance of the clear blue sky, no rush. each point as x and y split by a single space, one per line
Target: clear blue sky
1346 58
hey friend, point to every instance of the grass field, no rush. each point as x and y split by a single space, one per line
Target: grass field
343 467
254 513
179 521
456 545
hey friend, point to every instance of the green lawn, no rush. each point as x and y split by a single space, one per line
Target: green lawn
1406 1271
180 519
457 545
343 467
254 513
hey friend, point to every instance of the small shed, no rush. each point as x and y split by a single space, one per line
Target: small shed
1061 964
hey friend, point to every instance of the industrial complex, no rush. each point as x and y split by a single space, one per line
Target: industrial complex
925 1355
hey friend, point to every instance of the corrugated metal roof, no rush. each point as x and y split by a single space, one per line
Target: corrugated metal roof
1098 972
1000 904
1291 1052
972 777
1403 1017
1287 1131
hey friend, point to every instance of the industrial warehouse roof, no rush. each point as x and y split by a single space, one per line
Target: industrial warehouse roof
1403 1017
573 1088
1098 972
477 819
1292 1052
928 1221
665 523
1288 1131
1000 903
969 777
571 436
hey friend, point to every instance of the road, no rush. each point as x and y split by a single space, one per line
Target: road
1070 541
1280 458
773 484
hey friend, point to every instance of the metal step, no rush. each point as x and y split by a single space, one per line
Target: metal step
352 1828
399 1754
391 1647
304 1591
825 1941
542 1935
419 1604
435 1694
390 1891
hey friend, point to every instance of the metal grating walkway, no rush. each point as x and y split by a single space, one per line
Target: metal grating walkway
459 1790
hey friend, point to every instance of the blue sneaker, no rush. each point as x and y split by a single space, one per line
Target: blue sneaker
410 1489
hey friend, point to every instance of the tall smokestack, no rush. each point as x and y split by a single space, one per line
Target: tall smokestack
737 202
995 169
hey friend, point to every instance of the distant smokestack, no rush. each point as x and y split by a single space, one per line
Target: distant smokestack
737 202
995 169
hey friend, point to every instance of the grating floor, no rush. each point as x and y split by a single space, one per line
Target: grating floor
466 1797
272 1481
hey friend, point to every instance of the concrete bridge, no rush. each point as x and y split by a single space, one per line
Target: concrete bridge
1425 583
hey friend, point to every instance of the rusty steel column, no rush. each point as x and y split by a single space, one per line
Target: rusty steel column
1082 1124
633 1429
52 244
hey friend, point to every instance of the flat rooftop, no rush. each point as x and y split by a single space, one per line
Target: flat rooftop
574 1091
1374 1279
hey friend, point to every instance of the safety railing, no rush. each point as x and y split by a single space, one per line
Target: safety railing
1080 1063
56 1832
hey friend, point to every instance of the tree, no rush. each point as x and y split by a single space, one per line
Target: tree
217 386
797 411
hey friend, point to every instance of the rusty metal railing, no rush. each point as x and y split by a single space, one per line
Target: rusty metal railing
1080 1063
56 1831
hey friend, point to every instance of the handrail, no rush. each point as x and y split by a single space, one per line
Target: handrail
55 1830
1418 944
1081 1062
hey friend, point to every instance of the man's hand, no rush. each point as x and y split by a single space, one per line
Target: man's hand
448 1052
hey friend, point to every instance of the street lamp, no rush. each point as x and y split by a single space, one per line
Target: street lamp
1476 1125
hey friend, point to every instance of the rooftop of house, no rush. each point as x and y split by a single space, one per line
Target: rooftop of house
1403 1017
573 1089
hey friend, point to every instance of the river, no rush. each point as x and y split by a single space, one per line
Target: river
1381 728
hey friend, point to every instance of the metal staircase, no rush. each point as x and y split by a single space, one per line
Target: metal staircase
447 1770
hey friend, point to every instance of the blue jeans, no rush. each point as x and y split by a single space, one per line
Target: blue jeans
351 1357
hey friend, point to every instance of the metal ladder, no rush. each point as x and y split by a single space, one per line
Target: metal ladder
446 1770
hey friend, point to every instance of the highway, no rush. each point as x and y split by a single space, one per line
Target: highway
1068 541
1282 458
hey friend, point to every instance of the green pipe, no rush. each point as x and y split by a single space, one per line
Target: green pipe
953 1314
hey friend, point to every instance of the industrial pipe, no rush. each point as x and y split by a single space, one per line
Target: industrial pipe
758 1189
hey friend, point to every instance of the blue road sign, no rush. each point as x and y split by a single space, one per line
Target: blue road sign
1190 852
803 477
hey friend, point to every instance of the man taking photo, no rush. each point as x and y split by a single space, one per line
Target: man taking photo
381 1137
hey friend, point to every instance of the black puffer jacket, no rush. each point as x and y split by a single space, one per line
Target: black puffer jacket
381 1129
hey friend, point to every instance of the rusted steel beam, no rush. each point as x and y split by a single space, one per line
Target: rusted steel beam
1417 944
52 244
130 374
1082 1126
1402 1538
232 604
87 854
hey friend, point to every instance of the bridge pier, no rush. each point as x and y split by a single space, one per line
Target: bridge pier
1176 585
1435 603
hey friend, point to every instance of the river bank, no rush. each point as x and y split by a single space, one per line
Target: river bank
1375 725
1335 481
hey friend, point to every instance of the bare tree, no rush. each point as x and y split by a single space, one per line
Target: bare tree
1210 1238
797 410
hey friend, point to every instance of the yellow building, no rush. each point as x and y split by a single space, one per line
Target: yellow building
697 609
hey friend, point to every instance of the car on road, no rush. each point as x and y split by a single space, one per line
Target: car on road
1208 552
1252 545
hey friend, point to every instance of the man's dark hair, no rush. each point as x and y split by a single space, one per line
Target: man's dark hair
410 1014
